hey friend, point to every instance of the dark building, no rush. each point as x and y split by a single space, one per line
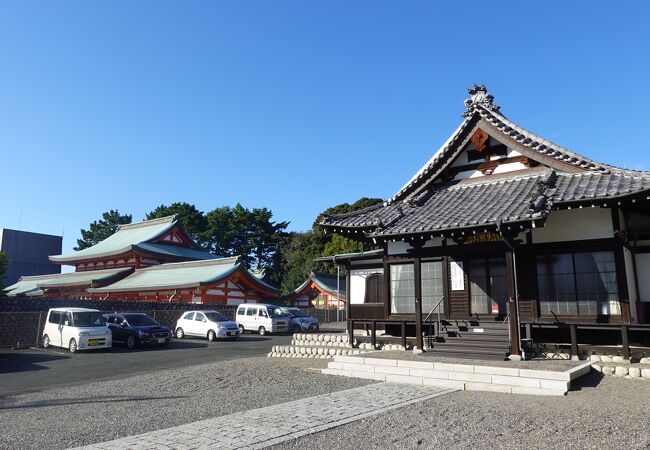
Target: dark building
28 253
505 229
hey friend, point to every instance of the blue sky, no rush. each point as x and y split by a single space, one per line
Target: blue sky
296 106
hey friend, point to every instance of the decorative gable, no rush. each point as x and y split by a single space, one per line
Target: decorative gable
176 237
484 155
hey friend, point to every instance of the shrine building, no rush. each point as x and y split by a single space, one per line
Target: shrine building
320 290
503 228
153 260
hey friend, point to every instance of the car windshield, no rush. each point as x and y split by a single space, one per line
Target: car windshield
216 317
140 320
88 319
277 312
297 313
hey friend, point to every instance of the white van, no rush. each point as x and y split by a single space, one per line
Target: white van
261 318
76 329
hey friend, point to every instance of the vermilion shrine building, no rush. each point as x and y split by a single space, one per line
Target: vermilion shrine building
154 260
320 290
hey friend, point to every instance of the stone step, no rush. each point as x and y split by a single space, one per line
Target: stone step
499 354
459 376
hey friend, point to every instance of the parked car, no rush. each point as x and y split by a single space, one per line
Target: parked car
133 329
76 329
210 324
262 318
299 320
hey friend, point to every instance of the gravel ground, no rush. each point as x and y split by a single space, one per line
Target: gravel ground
612 415
101 411
555 365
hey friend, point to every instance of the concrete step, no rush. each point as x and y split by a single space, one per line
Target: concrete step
497 354
472 344
459 376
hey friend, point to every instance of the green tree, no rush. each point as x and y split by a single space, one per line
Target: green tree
4 263
101 229
297 253
193 220
251 234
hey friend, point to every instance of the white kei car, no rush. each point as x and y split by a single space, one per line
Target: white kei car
76 329
208 324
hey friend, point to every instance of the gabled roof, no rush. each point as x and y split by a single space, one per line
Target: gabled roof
192 274
427 204
137 236
35 285
325 283
481 111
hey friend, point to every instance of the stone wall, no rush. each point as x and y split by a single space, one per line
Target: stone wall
22 319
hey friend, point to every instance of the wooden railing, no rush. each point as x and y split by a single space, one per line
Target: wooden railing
573 328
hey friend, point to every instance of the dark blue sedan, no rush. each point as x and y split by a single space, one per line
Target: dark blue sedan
133 329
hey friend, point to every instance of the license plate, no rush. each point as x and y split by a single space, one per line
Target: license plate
232 333
93 341
161 340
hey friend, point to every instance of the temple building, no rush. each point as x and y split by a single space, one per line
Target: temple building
320 290
501 225
154 260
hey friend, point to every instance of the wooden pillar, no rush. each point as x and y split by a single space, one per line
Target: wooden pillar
348 303
418 302
573 331
386 287
625 342
513 307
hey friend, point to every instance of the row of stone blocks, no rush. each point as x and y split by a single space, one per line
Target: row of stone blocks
458 376
292 351
623 371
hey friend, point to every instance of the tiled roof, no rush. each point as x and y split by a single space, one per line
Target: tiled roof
183 275
473 203
598 185
34 285
460 206
485 113
175 251
126 238
422 206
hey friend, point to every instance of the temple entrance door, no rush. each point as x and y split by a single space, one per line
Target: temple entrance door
488 286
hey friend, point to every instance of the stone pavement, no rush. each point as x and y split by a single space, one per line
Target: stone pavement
263 427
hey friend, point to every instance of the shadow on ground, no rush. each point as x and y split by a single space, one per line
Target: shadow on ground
5 405
591 380
18 361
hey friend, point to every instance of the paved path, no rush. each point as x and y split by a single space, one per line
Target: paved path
263 427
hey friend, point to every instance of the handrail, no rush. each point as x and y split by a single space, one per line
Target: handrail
428 317
434 308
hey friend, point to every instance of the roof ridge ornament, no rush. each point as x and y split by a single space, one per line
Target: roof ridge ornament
479 95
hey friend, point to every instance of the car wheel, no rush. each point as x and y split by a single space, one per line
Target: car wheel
180 334
131 342
212 336
46 341
262 331
241 329
297 329
72 346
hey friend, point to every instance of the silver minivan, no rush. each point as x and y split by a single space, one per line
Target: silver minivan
261 318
